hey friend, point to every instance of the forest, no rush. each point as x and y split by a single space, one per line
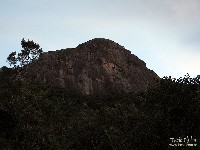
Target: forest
42 116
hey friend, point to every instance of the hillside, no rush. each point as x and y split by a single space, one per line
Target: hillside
98 66
41 108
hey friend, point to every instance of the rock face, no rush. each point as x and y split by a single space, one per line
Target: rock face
98 66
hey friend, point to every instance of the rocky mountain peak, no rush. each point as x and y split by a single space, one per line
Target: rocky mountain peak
100 42
98 66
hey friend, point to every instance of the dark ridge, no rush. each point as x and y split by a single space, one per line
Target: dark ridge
98 66
101 42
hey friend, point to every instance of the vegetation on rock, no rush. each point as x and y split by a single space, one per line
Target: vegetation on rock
30 52
46 117
42 116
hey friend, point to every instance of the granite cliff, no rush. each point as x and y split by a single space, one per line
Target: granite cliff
98 66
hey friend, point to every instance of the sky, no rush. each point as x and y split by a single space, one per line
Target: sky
163 33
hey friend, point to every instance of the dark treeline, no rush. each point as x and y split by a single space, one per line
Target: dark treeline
45 117
40 116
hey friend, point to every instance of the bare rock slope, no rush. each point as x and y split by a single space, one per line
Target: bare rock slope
98 66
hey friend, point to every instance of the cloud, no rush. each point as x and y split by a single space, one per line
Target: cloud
165 34
185 8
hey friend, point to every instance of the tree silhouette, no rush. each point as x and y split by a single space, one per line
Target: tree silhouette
30 52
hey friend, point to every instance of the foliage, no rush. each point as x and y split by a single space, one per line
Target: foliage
173 106
45 117
30 52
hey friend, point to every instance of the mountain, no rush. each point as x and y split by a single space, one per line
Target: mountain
98 66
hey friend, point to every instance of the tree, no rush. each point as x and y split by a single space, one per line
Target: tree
173 108
30 52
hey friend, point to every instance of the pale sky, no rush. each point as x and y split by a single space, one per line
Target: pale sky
163 33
